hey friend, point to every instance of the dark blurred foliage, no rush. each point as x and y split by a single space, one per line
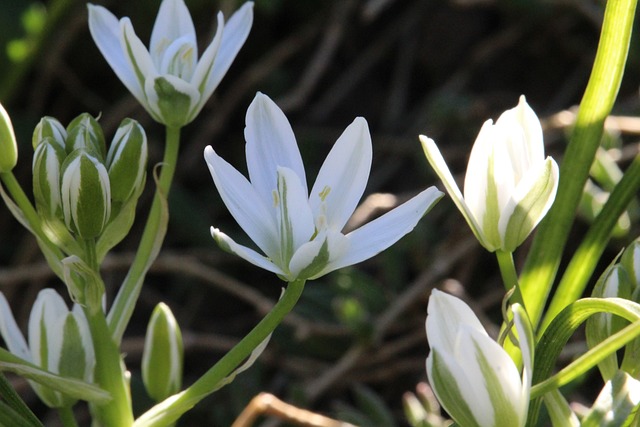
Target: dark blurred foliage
356 341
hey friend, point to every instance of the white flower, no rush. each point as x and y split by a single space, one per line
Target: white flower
509 185
474 378
168 79
59 341
300 232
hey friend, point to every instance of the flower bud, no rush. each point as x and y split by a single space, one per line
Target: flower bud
474 378
60 341
49 127
163 354
127 160
47 163
86 194
8 145
85 132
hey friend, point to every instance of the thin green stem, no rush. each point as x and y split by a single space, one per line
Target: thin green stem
588 360
109 374
30 215
150 243
168 411
67 417
544 258
586 257
509 275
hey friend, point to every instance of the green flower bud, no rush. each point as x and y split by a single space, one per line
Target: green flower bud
86 194
127 160
163 354
49 127
8 145
47 164
85 132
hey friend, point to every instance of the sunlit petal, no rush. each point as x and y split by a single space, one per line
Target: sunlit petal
343 176
270 144
13 338
229 245
245 205
377 235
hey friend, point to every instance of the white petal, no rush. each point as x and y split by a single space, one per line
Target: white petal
524 117
476 177
137 57
295 222
343 176
173 22
248 254
314 259
172 113
248 209
528 204
106 32
13 338
48 307
233 37
379 234
438 164
270 144
202 74
445 315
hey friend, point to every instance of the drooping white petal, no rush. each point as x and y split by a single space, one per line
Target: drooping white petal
295 221
244 203
235 34
379 234
204 68
137 57
173 22
10 331
270 144
106 32
438 164
248 254
343 176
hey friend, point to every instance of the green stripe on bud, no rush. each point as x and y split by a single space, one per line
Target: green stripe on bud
163 354
85 132
47 165
49 127
86 194
8 145
127 160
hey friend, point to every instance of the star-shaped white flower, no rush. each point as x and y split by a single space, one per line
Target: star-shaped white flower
168 79
300 232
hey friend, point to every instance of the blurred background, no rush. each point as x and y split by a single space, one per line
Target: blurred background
355 344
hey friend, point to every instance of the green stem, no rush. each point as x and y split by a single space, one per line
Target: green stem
585 260
588 360
509 275
67 417
168 411
150 243
544 258
29 212
109 374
